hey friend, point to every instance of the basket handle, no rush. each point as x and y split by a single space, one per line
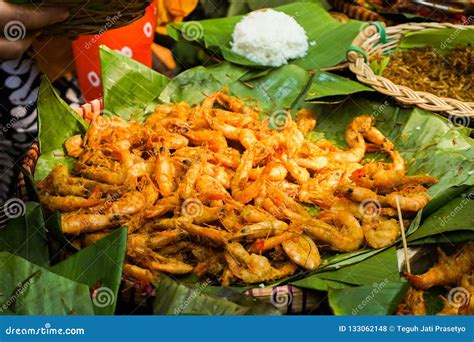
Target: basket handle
366 31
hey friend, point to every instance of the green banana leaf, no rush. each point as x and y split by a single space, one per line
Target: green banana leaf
337 261
238 7
454 237
273 89
455 215
326 84
28 289
25 235
56 120
379 298
383 265
53 226
98 266
129 87
442 40
173 298
329 39
277 90
318 284
56 123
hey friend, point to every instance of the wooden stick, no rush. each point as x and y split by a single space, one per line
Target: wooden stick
404 238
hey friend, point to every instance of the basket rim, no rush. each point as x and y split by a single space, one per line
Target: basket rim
376 38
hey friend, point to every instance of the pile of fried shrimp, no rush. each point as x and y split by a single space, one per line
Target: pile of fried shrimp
212 189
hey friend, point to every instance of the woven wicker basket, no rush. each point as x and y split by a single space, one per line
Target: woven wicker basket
92 16
288 299
375 40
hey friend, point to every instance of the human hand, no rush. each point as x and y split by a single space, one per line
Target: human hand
21 24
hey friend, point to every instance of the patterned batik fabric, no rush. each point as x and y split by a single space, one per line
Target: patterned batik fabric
19 84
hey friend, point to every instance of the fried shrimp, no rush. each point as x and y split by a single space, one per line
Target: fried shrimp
211 188
302 251
413 304
69 203
447 271
74 146
341 231
165 173
412 198
380 232
305 120
253 268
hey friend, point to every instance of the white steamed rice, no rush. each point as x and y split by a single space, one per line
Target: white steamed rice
269 37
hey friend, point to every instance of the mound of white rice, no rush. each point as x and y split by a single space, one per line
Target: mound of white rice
268 37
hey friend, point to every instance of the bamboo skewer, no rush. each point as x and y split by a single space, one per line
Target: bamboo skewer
404 238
